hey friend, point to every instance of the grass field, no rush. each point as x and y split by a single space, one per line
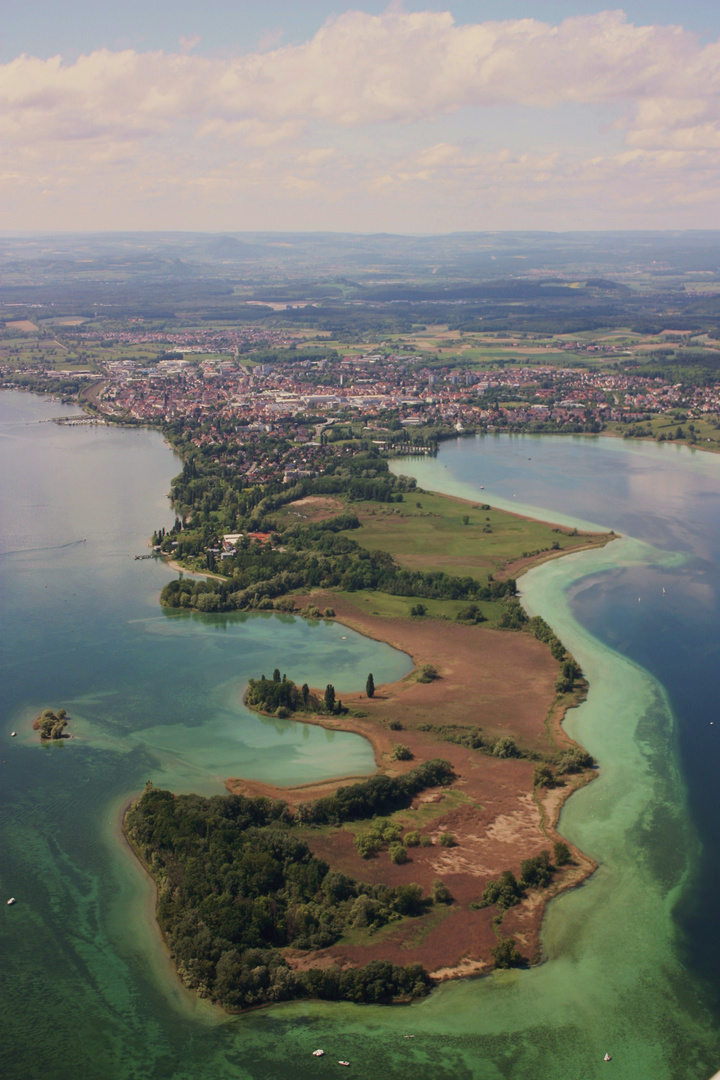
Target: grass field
706 433
398 607
433 535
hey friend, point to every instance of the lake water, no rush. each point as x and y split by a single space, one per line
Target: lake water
87 990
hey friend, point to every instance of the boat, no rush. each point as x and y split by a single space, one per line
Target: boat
13 734
12 900
343 1062
318 1053
607 1058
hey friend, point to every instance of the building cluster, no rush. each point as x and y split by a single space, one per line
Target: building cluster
278 418
398 389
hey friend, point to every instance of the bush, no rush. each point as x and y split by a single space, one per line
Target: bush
543 776
470 614
504 891
418 610
428 673
570 672
536 872
575 760
398 854
506 955
446 839
506 747
366 844
513 617
411 839
409 900
402 752
562 853
395 725
329 613
440 892
425 840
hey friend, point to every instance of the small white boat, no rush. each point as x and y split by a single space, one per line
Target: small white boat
318 1053
12 900
607 1058
343 1062
13 734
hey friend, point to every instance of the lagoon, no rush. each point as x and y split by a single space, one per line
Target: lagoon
87 989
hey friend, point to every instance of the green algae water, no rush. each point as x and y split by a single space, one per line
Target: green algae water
87 990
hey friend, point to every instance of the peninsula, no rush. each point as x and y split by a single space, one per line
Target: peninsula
441 864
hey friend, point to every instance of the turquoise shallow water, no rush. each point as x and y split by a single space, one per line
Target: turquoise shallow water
159 696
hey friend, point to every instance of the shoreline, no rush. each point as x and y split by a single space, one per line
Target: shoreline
537 812
168 977
497 797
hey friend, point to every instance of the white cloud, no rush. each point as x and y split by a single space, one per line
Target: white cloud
300 123
365 69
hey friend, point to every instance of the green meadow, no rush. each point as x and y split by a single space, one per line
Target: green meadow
435 532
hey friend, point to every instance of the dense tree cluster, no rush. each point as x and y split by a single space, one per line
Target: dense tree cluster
378 795
211 496
236 885
507 891
281 696
51 725
258 575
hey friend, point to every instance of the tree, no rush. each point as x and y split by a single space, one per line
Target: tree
543 776
466 519
562 853
330 697
506 747
536 872
506 955
440 892
370 686
504 891
398 854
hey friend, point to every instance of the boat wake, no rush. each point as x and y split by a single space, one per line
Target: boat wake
48 547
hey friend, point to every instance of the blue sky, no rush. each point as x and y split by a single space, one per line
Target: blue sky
46 27
407 117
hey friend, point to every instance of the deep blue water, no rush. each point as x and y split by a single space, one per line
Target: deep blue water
669 497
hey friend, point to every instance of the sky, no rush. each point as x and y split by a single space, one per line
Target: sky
406 117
